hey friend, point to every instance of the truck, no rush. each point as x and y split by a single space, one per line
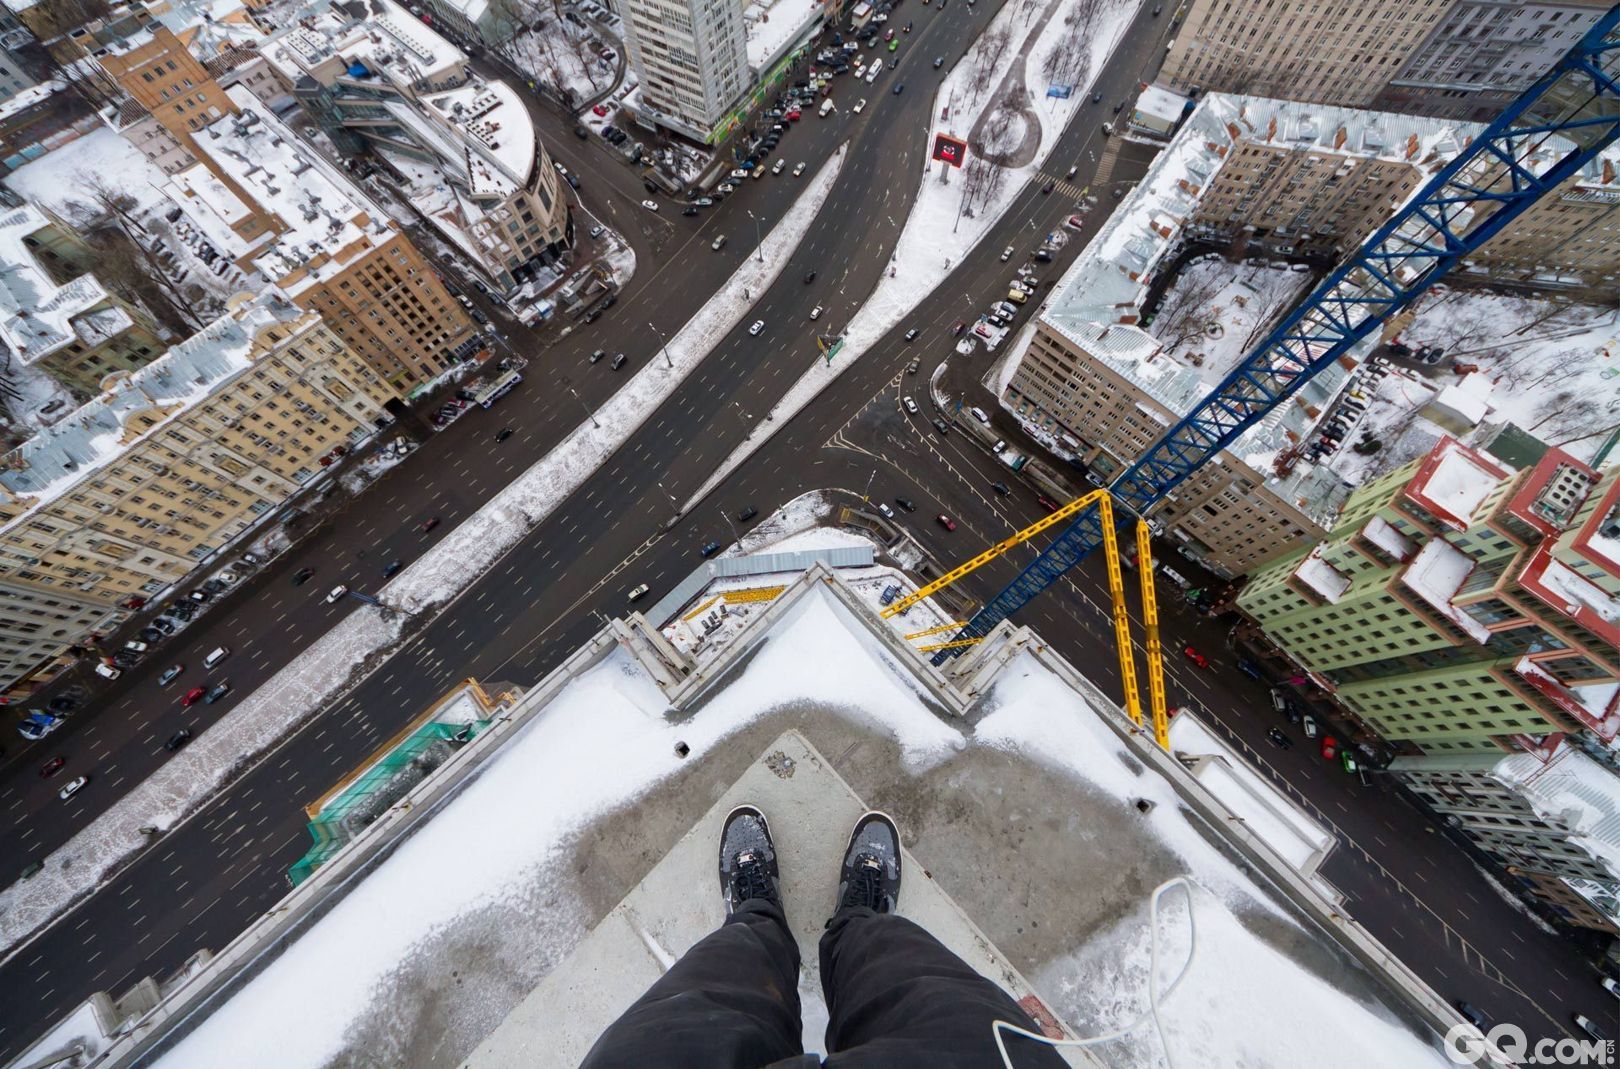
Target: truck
860 15
826 108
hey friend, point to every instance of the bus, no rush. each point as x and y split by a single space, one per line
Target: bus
498 389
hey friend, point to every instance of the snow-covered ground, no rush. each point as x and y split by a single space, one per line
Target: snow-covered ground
59 178
561 55
305 687
937 233
1215 311
468 896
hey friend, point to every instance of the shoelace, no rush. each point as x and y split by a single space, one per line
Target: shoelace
751 880
864 889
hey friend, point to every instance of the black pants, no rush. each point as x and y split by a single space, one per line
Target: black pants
895 998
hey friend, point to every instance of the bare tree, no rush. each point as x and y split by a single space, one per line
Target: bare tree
125 257
1187 308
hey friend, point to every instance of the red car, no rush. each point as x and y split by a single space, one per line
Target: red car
961 325
599 110
1195 657
51 767
427 525
1046 503
946 522
1330 747
795 115
193 696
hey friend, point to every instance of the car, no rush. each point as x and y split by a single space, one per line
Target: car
178 740
1348 759
747 514
1075 222
941 426
738 172
1048 188
1330 747
709 548
199 595
939 61
582 133
718 243
893 46
619 360
689 210
998 447
755 327
598 230
218 691
911 406
650 205
815 313
725 187
1046 503
639 592
899 88
945 522
1096 98
164 625
503 434
192 697
1192 654
428 524
906 503
1006 254
1307 724
1590 1028
704 202
809 277
1244 665
72 787
779 166
860 106
61 704
215 586
798 169
597 355
1610 984
911 335
169 674
1278 739
301 576
336 593
51 767
886 510
1001 488
392 568
151 634
911 368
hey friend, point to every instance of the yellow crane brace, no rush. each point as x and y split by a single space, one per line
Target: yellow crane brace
1116 592
952 626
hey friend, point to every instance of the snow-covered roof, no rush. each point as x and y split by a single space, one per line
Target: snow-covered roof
38 317
775 26
1453 480
322 211
1574 792
1322 577
78 446
1435 575
1099 299
1383 534
208 27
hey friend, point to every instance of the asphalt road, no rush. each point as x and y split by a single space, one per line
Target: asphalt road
202 882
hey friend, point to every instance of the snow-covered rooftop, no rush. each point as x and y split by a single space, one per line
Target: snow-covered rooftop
484 897
325 216
1452 482
38 317
1574 792
1321 576
1435 575
1099 298
78 446
774 26
1383 534
208 27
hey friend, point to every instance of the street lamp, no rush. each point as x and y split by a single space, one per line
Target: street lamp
663 342
759 244
583 406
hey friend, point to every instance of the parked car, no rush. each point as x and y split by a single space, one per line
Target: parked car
61 704
1308 724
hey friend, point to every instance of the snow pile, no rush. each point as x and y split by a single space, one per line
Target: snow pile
937 232
300 690
548 779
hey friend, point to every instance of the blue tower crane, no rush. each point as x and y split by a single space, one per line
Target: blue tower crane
1546 135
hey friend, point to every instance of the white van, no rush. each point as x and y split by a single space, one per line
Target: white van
217 656
107 671
826 107
978 414
1174 576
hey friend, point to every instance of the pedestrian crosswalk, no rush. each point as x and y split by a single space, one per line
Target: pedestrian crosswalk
1099 178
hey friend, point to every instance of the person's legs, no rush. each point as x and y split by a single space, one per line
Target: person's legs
733 999
896 996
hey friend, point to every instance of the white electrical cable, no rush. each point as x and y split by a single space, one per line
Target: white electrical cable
1155 997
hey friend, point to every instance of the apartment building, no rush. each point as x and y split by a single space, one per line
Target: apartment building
68 35
691 57
1285 177
1482 53
381 83
157 72
55 315
122 498
1571 237
1514 808
284 215
490 21
1459 606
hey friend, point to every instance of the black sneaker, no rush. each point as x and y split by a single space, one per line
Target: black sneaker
871 872
747 859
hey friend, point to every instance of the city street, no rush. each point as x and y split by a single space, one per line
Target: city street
200 883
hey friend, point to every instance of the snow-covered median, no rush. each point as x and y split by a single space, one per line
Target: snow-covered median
364 638
1073 43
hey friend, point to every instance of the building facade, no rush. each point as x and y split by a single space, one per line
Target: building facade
283 215
1460 606
462 146
123 498
691 57
1482 53
157 72
57 317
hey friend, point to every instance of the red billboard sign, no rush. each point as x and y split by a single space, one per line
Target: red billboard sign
953 150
